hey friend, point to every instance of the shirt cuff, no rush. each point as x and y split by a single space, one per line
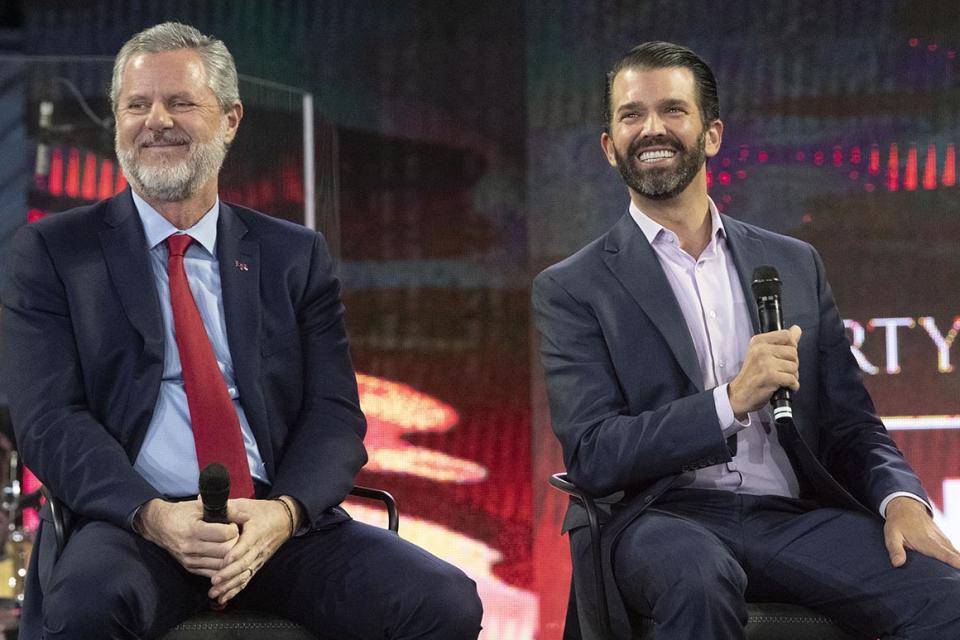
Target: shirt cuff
728 422
897 494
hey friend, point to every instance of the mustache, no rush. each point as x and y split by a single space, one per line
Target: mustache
162 137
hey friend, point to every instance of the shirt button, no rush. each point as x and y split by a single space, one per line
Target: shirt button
699 266
713 313
722 363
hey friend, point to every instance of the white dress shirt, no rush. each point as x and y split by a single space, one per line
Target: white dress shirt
717 315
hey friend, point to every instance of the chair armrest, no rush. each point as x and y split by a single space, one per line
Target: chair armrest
393 518
56 512
560 481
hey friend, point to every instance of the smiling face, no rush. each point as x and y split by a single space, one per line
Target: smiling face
657 139
171 135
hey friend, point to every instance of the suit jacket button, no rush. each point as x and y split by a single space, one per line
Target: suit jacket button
648 499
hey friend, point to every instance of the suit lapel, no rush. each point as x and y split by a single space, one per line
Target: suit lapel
128 263
239 258
633 262
748 254
240 280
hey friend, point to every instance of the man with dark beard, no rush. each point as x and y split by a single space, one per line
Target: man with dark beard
659 182
659 394
162 329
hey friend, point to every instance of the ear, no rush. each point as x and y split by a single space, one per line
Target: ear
712 139
606 143
234 116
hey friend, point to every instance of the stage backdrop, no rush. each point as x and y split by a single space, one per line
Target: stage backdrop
468 159
841 129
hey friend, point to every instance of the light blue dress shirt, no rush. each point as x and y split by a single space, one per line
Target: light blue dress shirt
168 457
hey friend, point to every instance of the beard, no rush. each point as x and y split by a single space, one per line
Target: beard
168 181
661 183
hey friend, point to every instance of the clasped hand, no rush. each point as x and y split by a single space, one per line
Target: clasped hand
229 554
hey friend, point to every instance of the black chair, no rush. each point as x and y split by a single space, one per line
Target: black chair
766 621
238 624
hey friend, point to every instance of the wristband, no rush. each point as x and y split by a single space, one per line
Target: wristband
293 521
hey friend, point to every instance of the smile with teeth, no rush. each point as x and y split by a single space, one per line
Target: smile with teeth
654 156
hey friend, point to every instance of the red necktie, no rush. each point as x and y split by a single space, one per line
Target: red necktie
216 428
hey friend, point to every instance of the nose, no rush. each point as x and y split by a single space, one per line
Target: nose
653 125
158 118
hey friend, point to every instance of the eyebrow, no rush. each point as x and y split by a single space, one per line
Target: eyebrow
180 95
675 102
669 102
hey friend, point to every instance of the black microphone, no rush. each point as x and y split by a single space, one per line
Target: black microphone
214 491
766 289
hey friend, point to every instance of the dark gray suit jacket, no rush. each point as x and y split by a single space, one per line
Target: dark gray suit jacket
625 386
83 358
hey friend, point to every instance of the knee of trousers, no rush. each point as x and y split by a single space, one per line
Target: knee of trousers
699 580
448 605
88 607
939 615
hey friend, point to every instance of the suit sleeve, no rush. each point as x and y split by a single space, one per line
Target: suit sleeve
59 438
324 450
608 447
854 444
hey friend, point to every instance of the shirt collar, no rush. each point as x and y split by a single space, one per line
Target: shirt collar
158 228
653 229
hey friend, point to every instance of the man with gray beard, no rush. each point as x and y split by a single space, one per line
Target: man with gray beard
160 330
173 182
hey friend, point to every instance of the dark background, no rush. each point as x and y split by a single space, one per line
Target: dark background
467 159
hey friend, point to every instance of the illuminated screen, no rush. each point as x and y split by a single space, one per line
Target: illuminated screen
468 159
841 128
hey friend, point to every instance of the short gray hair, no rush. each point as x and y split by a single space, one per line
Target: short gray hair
171 36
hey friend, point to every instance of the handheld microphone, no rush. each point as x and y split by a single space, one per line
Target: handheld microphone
766 288
214 491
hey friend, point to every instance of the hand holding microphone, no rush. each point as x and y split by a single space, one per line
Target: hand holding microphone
264 526
214 492
182 527
214 486
770 367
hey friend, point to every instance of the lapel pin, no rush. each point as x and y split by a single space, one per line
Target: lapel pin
242 266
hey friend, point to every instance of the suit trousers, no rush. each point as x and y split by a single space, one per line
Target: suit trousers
696 556
350 580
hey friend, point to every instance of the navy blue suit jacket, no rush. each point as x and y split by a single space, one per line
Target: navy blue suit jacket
626 392
84 355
